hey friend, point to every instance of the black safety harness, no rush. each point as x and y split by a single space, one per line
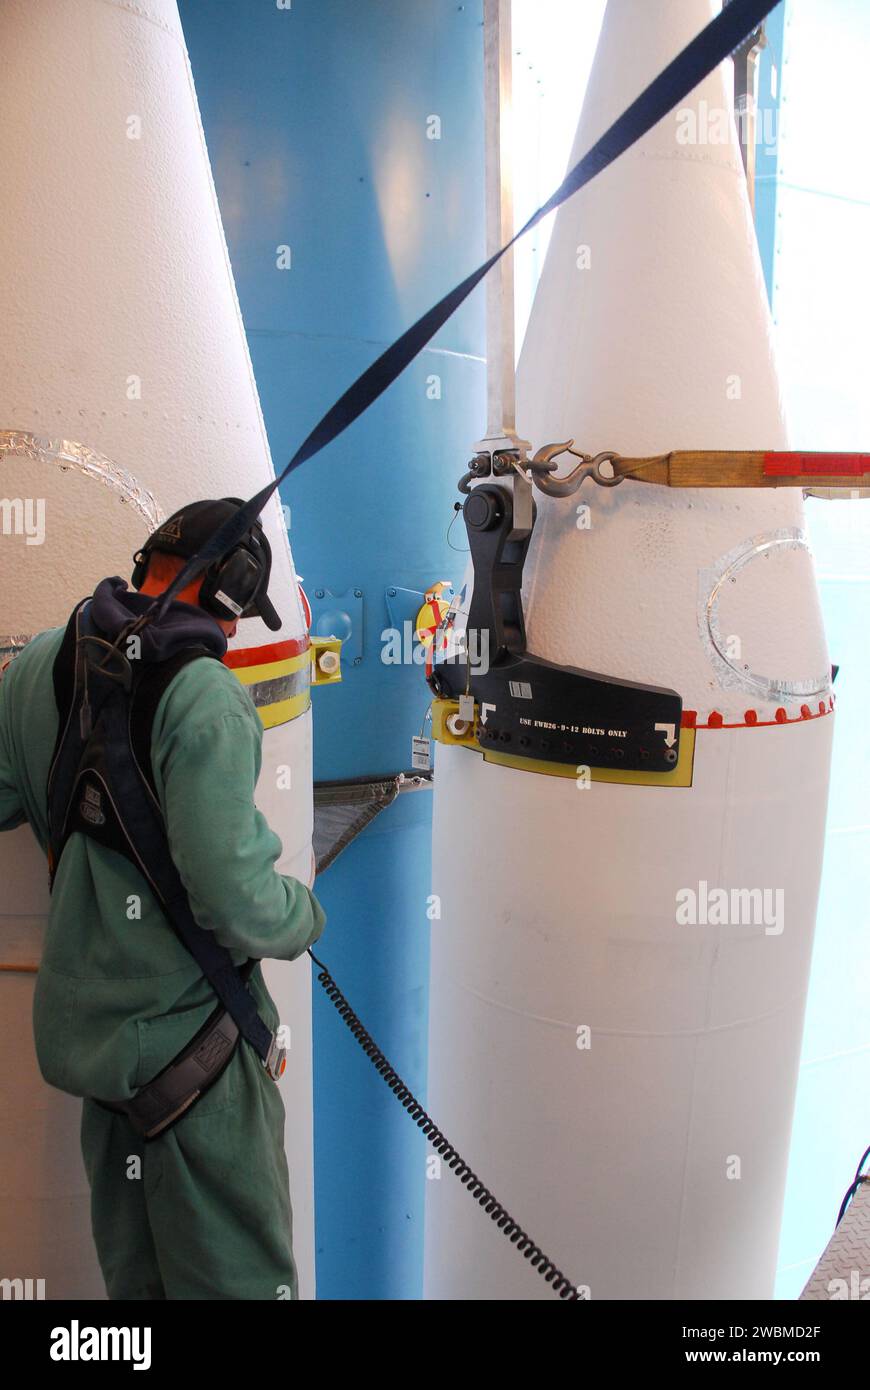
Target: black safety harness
101 784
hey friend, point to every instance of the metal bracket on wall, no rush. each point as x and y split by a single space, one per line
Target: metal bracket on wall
403 605
337 614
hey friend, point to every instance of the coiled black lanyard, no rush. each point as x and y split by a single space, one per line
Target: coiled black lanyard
559 1282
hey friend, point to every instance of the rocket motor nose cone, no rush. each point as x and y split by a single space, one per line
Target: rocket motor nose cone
650 331
584 1030
122 332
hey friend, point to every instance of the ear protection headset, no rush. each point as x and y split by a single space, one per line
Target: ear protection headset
229 585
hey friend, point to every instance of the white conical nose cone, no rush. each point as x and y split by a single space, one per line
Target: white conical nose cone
121 326
125 389
616 1061
650 331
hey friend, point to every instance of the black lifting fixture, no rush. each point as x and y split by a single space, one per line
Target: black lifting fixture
527 706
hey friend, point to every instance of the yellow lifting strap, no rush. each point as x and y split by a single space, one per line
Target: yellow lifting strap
761 468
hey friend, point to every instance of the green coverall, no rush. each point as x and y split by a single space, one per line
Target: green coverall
206 1212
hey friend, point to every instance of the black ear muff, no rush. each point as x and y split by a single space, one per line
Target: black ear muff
230 585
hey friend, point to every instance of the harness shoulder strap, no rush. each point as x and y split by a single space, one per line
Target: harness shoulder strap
67 747
147 694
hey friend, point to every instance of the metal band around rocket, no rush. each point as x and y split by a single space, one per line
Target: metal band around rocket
277 678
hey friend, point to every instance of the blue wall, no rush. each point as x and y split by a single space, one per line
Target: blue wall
316 121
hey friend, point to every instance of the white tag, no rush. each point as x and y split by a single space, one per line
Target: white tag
228 602
420 758
466 708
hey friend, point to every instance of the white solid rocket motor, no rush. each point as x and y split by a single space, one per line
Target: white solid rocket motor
617 1062
126 390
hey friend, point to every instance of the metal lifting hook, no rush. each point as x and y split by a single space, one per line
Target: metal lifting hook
543 466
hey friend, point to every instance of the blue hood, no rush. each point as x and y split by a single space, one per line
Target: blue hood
114 606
